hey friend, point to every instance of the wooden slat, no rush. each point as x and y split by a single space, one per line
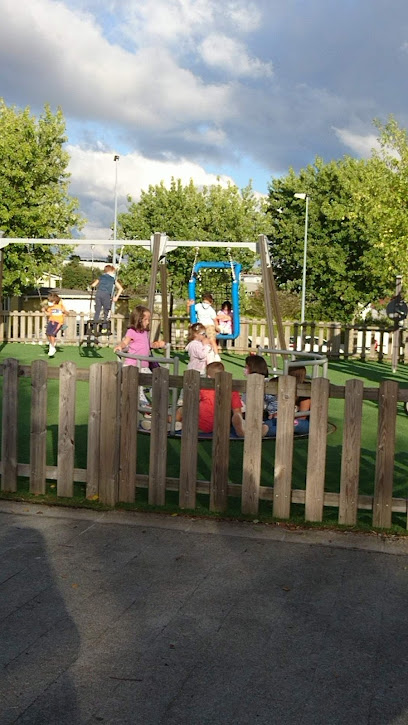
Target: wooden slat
94 431
284 447
109 434
38 433
189 440
351 452
129 402
316 458
251 476
221 442
66 429
9 426
384 467
158 438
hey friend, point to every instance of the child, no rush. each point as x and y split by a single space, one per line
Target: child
257 364
207 316
106 284
302 404
224 318
56 314
206 407
137 342
197 348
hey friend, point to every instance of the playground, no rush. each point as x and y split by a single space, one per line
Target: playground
78 419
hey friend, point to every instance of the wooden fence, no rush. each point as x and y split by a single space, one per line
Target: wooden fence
331 338
113 435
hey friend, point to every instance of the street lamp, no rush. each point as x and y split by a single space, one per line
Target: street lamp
302 313
115 214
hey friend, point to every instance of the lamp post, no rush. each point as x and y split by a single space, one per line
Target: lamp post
302 313
115 214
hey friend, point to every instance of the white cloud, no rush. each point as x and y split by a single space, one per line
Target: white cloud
230 55
66 56
362 145
93 176
245 16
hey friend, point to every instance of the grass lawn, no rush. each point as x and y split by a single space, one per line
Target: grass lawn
370 372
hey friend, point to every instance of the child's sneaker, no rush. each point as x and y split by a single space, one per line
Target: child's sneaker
178 425
52 351
146 424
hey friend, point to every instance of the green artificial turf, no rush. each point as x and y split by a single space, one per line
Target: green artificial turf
370 372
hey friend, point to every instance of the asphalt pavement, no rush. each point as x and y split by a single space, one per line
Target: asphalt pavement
151 619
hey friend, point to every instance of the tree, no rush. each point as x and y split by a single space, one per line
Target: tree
75 275
213 213
355 209
34 200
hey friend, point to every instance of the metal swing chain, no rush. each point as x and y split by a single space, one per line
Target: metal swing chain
194 263
232 264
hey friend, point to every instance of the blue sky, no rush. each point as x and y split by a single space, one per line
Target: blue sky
197 88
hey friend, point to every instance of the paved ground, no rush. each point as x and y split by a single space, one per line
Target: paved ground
145 619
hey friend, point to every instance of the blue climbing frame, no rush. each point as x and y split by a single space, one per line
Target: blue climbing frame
234 293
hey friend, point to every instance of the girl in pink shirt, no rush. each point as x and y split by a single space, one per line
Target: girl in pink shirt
137 342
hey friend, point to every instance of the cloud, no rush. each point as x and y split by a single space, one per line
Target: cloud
227 54
362 145
93 177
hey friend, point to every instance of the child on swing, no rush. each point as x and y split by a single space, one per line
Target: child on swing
224 318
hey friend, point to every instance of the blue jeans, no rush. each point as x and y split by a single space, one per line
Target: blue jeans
300 426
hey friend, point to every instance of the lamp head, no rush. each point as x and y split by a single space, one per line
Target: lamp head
116 157
300 195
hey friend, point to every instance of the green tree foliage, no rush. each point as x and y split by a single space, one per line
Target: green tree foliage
34 200
213 213
76 276
357 231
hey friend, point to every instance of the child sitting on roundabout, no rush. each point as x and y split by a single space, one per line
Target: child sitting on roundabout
206 407
302 405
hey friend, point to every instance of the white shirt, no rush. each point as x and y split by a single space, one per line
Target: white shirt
205 313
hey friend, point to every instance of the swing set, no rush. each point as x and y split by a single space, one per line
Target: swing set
160 245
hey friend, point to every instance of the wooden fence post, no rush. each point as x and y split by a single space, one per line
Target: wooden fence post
66 430
129 403
109 434
189 440
221 442
351 452
282 486
94 431
158 437
251 476
316 453
384 466
9 426
38 433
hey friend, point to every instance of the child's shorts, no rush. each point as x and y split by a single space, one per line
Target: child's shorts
210 332
52 328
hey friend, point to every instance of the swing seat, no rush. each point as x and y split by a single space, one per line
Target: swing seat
236 268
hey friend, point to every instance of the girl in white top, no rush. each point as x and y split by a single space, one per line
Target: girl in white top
197 348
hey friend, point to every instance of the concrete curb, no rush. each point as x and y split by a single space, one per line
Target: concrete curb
371 542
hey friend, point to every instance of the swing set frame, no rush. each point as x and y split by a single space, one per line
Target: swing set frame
160 245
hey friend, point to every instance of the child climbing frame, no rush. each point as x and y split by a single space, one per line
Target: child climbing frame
234 297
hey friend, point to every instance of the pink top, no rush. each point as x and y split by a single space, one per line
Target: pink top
139 345
197 353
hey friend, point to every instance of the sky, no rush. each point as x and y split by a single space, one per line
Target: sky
199 89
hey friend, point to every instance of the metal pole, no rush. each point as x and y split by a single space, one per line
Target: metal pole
397 330
115 213
302 314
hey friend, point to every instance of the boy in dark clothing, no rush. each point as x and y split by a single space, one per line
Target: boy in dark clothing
106 285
